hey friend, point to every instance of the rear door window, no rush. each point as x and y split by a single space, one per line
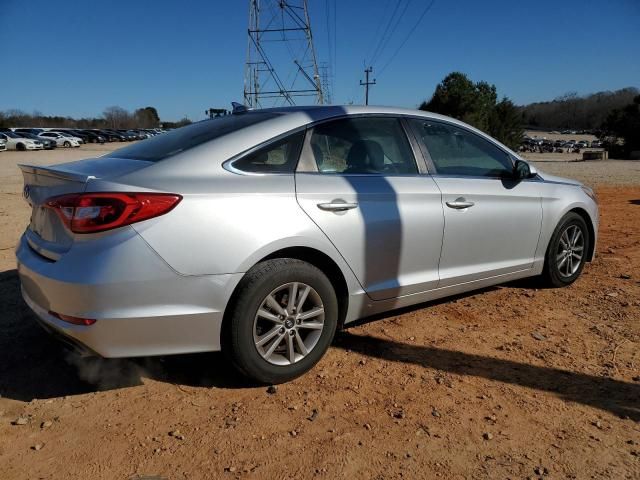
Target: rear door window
366 145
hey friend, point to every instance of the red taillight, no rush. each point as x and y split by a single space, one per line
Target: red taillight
97 212
74 320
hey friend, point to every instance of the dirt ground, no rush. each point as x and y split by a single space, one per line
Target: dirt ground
509 382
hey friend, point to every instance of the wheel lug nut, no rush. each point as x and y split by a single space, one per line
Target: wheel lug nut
292 332
282 330
298 321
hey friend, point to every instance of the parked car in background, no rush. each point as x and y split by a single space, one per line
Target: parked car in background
82 137
114 135
596 144
94 137
108 137
3 144
16 142
260 233
130 135
142 134
87 136
47 143
61 140
34 131
65 133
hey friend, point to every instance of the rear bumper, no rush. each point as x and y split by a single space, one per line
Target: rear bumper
141 305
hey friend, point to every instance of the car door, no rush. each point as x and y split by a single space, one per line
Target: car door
359 182
492 220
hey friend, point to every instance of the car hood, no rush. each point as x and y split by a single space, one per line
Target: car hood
552 178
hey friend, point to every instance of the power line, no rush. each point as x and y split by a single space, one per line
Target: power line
379 44
378 28
393 30
335 56
425 11
330 16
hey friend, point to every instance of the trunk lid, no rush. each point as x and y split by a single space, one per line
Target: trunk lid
46 233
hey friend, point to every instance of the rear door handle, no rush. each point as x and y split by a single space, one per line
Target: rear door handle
337 206
460 203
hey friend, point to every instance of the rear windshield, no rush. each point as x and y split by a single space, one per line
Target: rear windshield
181 139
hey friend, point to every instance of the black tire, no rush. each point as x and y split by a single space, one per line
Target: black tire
66 144
556 273
238 344
21 147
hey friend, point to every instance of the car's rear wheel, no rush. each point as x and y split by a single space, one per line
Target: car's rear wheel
283 319
21 147
567 251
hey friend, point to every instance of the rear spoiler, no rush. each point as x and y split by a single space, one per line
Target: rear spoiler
55 172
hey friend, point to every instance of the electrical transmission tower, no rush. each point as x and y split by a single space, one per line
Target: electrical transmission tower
281 60
325 80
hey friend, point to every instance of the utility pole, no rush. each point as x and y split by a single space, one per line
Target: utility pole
366 84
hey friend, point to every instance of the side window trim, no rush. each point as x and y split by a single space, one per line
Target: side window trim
228 164
307 162
424 167
427 154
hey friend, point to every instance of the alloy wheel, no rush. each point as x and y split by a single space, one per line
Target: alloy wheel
570 251
288 324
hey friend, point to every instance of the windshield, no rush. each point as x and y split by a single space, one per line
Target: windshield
181 139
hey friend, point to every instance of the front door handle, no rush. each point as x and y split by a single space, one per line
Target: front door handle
337 206
460 203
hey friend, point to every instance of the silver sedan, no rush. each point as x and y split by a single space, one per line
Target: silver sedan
262 232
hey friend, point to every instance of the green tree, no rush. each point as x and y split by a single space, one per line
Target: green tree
625 124
146 117
505 123
476 104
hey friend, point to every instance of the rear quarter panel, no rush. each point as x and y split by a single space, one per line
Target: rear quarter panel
236 222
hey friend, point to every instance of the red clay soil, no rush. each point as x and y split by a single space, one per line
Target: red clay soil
509 382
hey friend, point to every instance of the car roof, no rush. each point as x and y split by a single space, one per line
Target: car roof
322 112
305 115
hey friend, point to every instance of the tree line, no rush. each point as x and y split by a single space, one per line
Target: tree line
112 117
575 112
613 116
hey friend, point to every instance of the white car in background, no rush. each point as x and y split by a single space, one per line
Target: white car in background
3 144
61 140
64 133
15 142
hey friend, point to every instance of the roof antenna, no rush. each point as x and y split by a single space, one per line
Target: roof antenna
238 108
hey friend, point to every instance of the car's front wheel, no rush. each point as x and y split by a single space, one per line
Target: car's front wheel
66 144
283 319
567 251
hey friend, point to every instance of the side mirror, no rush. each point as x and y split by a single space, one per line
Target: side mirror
522 170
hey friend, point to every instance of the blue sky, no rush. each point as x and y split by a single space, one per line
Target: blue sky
76 57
